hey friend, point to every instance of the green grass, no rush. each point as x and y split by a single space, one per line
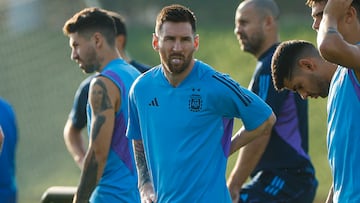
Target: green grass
39 79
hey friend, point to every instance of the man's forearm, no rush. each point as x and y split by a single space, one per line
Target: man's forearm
88 180
248 158
93 169
243 137
142 168
75 143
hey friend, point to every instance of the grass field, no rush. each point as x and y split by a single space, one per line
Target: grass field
39 79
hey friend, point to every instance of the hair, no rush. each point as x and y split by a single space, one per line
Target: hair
119 21
175 13
354 3
120 26
286 57
90 20
267 7
311 3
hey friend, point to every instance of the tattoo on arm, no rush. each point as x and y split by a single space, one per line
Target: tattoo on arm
89 179
100 101
99 121
332 30
140 158
99 97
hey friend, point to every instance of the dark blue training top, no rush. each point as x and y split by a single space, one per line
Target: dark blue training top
288 145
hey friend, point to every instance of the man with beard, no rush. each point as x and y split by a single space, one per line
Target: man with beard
77 119
109 173
279 166
181 116
298 66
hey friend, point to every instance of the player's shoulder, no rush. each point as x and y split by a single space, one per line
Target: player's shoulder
151 73
206 71
214 79
152 76
5 104
98 80
203 70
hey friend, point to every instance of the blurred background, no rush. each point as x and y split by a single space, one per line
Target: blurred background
38 78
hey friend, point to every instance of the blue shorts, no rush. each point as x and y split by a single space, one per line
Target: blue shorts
281 186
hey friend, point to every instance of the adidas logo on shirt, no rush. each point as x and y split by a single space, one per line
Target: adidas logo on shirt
154 102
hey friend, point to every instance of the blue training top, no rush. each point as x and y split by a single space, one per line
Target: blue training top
8 123
289 136
343 135
119 180
186 130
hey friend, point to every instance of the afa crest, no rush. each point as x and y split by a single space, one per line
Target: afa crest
195 103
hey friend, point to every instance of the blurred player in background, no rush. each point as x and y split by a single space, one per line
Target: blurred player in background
8 124
109 172
76 122
280 167
317 10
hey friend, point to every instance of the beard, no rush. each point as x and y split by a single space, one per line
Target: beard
178 63
91 63
253 43
324 88
90 68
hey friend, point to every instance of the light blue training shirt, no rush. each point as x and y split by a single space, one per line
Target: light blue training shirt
343 135
186 130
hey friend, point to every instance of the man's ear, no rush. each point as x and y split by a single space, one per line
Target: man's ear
155 42
307 64
98 39
120 41
268 22
196 42
350 15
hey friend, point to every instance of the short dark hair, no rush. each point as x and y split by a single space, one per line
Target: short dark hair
286 57
90 20
355 4
119 23
175 13
311 3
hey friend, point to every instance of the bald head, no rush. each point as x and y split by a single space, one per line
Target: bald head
264 7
